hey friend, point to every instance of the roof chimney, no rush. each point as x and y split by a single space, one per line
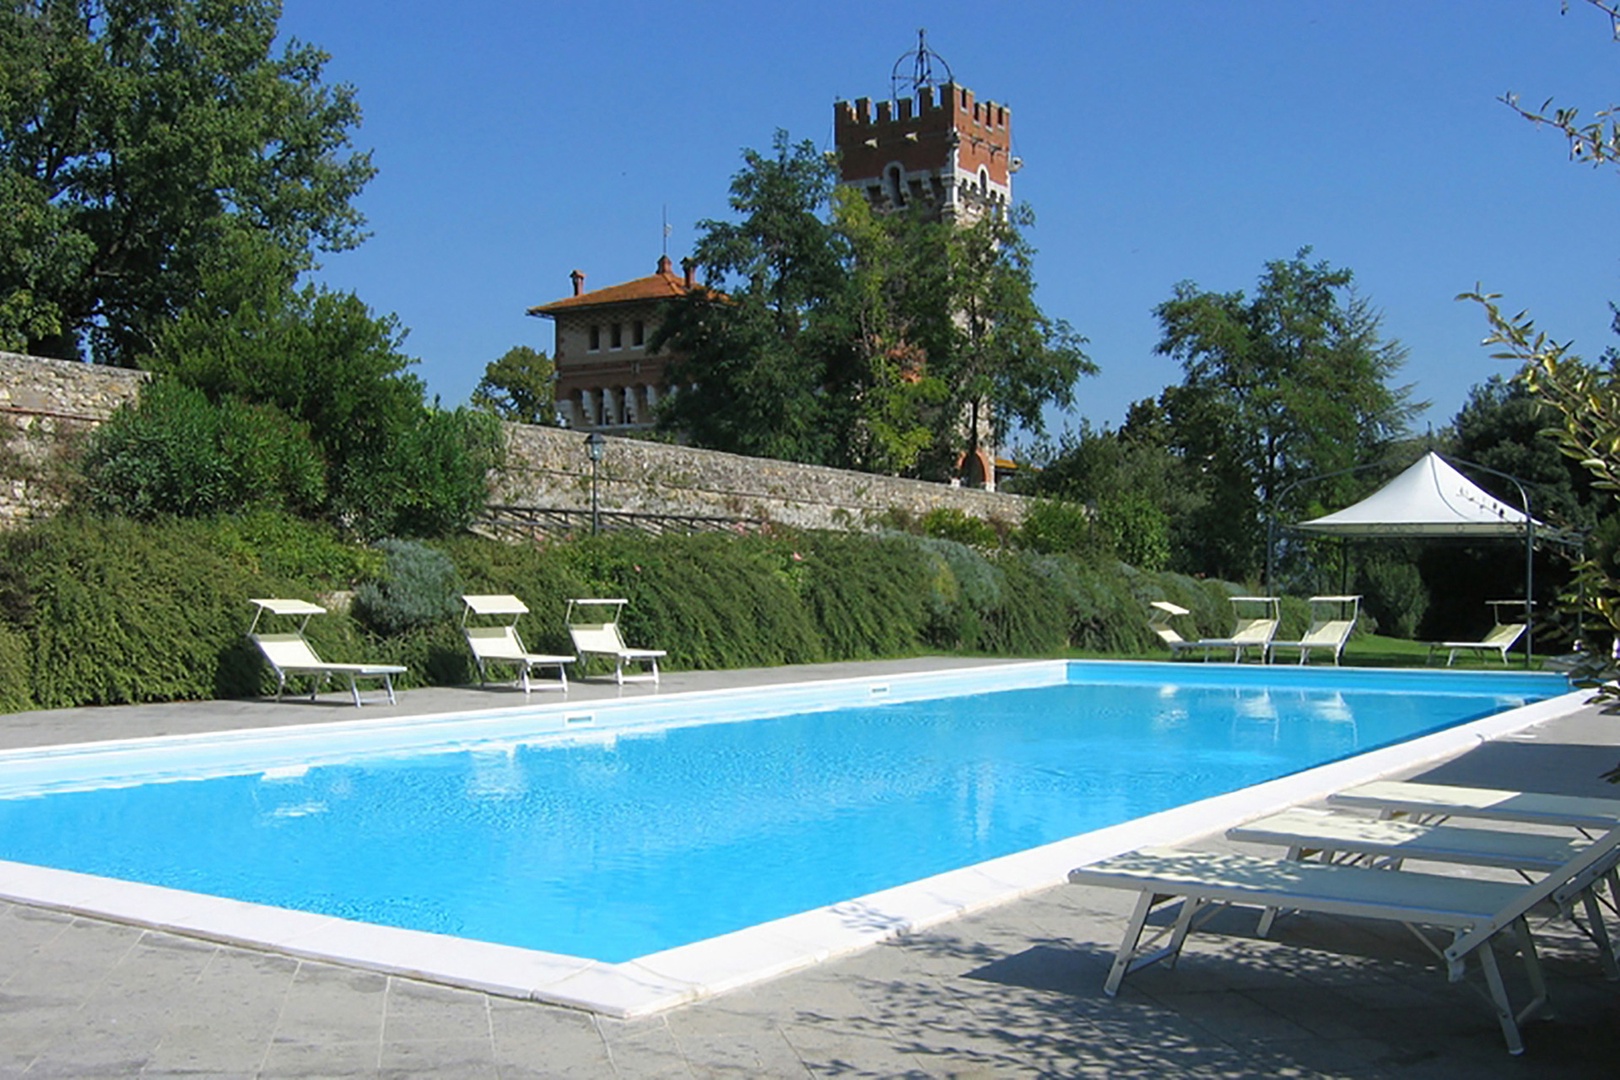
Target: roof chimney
578 278
689 267
663 264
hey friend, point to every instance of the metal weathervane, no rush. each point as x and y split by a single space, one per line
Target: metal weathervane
922 70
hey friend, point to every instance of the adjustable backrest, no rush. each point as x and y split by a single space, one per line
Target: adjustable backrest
494 642
287 650
1255 631
1330 632
596 637
1503 635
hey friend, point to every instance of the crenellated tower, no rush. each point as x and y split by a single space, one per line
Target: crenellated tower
932 142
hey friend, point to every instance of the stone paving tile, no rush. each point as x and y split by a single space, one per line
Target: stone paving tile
725 1044
333 1005
534 1040
23 931
642 1047
420 1011
294 1058
438 1058
826 1051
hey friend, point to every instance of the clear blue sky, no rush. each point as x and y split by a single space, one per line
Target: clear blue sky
1163 140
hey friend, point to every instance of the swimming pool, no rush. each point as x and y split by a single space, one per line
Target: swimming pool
634 830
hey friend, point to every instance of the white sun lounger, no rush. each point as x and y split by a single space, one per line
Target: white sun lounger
1329 631
1503 636
502 645
596 633
290 654
1252 631
1386 843
1475 912
1491 804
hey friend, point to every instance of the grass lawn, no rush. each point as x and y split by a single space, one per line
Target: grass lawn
1372 650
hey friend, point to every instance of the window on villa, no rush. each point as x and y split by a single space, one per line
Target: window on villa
615 335
596 337
638 333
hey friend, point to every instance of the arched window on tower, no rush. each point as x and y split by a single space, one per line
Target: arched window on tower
897 185
984 181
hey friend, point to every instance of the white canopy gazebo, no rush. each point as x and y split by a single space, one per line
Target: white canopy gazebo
1431 499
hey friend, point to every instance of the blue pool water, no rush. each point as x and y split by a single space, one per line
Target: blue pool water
613 845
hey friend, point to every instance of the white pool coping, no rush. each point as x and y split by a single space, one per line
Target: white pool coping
663 980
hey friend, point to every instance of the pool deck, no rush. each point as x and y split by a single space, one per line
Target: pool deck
1014 990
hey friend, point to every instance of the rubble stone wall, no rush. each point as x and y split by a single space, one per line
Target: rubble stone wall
46 409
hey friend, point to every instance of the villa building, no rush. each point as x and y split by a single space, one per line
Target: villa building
608 379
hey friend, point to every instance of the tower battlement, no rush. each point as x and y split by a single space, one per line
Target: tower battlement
946 148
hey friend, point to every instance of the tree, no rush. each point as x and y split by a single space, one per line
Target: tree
1285 386
1005 359
138 138
521 387
875 341
393 463
758 357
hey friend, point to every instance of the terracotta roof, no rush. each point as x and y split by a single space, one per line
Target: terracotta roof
663 285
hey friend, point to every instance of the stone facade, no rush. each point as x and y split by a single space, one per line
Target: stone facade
548 467
46 407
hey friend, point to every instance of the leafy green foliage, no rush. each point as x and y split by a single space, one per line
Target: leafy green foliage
758 357
282 546
1138 529
125 612
867 594
1288 385
15 675
520 386
175 452
395 466
949 523
135 139
1394 594
844 337
104 611
711 600
1053 526
417 587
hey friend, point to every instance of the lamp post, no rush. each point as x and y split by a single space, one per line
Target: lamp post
594 444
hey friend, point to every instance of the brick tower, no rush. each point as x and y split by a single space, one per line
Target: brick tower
941 146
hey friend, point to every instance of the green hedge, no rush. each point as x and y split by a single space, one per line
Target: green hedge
106 611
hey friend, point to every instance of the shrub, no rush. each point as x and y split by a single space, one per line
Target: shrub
289 547
417 588
712 600
15 693
963 587
867 594
1395 595
949 523
429 478
175 452
125 612
1138 529
1054 527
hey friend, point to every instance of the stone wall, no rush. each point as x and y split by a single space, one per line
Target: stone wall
46 407
549 467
